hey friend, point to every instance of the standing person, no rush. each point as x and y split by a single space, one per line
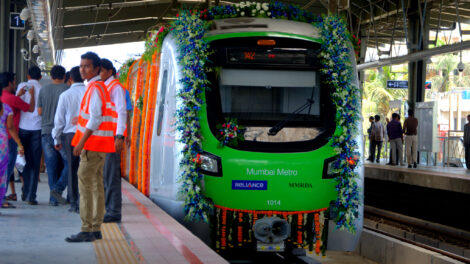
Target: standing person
369 130
68 109
466 142
112 164
395 136
378 136
47 105
30 135
94 138
6 122
8 85
410 128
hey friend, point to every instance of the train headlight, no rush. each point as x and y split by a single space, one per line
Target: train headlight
329 171
210 164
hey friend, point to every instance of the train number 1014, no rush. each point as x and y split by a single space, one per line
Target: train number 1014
273 202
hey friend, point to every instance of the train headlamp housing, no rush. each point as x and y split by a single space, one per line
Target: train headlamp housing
329 171
210 164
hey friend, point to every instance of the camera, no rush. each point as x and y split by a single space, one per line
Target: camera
461 67
24 52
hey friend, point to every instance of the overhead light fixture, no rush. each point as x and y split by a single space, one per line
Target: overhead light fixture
27 53
24 15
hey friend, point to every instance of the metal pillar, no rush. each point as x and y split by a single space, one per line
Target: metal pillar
4 35
418 39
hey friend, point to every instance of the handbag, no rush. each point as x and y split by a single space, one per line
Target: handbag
20 163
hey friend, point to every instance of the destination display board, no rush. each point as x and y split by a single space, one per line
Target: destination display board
289 57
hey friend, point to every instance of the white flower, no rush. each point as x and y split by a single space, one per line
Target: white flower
269 13
238 10
261 12
242 13
265 6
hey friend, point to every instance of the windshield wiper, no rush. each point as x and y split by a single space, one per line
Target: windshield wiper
276 128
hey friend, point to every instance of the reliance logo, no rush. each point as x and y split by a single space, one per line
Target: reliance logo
249 185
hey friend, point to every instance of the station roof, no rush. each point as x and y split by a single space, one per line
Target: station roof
81 23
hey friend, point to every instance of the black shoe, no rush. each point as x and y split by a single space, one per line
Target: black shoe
53 203
378 161
98 235
81 237
34 202
389 163
111 219
409 166
23 197
415 165
58 197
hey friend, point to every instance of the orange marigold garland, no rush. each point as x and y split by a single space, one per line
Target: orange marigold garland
149 122
232 228
145 93
135 128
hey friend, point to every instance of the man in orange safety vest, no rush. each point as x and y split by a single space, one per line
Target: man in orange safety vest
94 138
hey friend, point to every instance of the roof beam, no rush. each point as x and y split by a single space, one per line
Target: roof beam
88 16
106 40
100 29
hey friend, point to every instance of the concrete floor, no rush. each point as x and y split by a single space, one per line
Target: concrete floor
35 234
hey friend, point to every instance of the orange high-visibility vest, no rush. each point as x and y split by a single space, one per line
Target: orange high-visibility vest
102 139
110 88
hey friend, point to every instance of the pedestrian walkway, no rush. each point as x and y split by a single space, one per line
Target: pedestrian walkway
35 234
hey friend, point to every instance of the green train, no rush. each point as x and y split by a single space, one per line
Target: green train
273 187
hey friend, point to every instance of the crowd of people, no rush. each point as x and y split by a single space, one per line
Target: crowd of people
397 135
79 121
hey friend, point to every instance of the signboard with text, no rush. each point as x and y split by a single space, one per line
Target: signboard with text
397 84
15 21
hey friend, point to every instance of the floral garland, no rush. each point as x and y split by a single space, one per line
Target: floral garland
339 74
154 42
189 31
230 133
274 10
124 70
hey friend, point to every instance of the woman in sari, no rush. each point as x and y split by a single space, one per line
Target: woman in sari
6 122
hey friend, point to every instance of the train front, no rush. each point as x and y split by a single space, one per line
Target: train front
267 126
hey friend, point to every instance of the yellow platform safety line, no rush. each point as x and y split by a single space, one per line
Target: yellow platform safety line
113 248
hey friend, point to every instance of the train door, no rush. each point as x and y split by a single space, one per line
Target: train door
164 165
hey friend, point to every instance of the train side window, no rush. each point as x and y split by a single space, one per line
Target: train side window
161 105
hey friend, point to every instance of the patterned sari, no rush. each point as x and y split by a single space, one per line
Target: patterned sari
4 150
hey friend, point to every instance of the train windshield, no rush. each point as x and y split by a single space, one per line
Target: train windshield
275 93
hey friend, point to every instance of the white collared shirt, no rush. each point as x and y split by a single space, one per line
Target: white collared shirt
96 116
30 120
118 97
68 107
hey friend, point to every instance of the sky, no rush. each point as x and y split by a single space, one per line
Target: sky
116 53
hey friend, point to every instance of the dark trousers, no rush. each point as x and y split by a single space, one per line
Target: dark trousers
467 156
376 145
370 158
112 185
72 165
31 140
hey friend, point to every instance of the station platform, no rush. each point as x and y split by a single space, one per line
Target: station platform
444 178
435 194
35 234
